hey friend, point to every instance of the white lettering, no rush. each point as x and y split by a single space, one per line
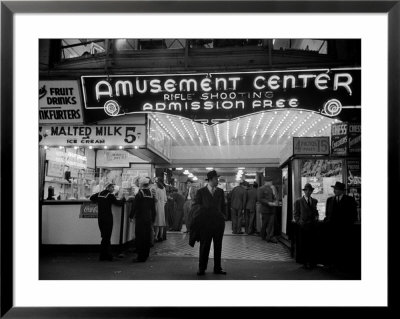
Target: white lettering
156 87
345 84
258 79
170 85
205 85
321 81
125 85
273 82
188 85
286 78
101 93
305 78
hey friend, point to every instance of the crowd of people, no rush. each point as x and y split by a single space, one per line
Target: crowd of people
254 208
158 208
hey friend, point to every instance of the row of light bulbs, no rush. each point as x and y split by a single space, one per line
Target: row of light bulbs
189 130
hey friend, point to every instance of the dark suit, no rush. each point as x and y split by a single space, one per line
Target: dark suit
306 217
211 208
339 220
265 196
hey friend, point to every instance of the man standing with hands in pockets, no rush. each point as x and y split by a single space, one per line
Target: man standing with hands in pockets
211 204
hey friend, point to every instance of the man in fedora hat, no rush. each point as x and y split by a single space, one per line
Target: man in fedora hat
268 202
104 200
210 201
306 215
341 213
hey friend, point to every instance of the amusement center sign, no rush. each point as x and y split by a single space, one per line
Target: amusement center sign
218 97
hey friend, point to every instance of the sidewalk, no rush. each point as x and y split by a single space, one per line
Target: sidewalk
243 257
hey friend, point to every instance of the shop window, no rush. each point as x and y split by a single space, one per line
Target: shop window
304 45
81 48
321 174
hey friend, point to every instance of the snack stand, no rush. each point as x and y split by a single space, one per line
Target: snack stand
71 174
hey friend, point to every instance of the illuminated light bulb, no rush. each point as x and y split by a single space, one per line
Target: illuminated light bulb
121 147
190 175
195 178
209 168
136 147
186 172
105 146
179 168
76 147
90 147
60 147
45 147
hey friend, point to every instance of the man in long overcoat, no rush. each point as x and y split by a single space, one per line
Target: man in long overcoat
210 203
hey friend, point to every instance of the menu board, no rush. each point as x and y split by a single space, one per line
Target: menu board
55 169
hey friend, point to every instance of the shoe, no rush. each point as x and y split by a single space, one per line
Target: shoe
220 272
201 273
274 241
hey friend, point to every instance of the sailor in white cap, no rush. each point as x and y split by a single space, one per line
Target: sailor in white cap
104 200
144 211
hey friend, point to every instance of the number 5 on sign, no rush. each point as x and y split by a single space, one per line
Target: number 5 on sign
130 134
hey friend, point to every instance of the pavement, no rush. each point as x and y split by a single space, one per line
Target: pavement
243 257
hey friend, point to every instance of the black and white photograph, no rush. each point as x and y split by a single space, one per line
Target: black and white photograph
200 159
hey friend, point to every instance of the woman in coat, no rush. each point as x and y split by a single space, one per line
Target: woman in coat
161 200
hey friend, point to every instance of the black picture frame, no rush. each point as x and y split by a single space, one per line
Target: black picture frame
9 8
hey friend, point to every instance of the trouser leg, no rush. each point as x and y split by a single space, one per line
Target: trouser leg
217 240
263 231
258 218
270 229
186 211
235 214
252 215
105 226
205 244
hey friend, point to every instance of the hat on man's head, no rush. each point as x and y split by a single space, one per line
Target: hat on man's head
308 186
143 181
339 186
211 175
267 178
108 184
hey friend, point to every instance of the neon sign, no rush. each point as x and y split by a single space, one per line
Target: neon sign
222 96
